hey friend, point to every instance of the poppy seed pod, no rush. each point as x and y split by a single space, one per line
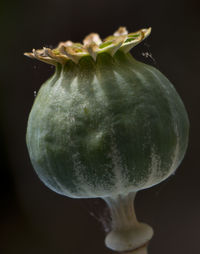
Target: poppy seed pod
106 125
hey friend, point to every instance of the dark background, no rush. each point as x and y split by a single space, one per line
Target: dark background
33 219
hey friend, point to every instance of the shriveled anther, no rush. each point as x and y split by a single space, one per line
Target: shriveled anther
40 55
121 31
91 39
55 54
64 43
29 54
74 53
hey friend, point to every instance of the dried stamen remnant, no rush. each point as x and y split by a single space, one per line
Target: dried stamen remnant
92 45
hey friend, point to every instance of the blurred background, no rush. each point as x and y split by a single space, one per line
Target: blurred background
33 219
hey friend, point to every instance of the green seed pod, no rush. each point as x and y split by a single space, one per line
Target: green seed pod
105 125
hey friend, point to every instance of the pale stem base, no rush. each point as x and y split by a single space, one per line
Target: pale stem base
127 233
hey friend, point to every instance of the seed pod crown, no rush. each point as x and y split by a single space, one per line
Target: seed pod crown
92 45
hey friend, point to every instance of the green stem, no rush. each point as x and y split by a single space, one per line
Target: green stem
127 233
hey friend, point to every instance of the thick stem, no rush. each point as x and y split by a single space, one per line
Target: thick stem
127 233
142 250
122 211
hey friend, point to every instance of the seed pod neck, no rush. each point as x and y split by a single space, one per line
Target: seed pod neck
127 233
